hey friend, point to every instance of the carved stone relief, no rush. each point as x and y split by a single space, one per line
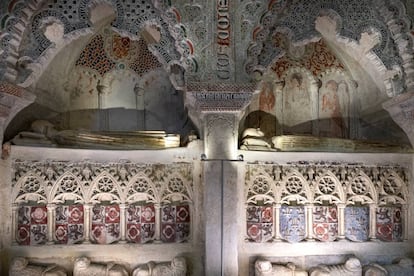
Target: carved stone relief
327 202
74 202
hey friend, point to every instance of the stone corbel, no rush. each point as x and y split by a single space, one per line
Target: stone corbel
216 109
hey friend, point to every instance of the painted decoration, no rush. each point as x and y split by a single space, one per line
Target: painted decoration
357 223
140 223
69 224
389 224
259 223
105 224
31 225
267 98
333 112
325 223
175 223
292 223
297 105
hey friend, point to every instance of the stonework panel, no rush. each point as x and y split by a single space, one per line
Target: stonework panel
357 223
69 227
389 224
32 225
260 223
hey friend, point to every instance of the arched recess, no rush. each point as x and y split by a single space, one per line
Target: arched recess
374 46
61 38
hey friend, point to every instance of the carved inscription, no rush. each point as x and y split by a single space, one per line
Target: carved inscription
223 40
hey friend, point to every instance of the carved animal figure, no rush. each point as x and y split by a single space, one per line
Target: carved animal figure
352 267
20 267
84 267
403 267
266 268
177 267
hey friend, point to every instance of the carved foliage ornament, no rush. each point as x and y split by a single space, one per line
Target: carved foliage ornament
318 183
90 182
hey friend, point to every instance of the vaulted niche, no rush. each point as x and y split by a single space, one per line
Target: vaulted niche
107 84
316 97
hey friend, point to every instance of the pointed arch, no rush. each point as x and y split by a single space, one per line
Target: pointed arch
67 187
294 187
328 188
104 188
360 188
141 188
29 187
260 187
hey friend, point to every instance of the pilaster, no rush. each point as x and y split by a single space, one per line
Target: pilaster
219 108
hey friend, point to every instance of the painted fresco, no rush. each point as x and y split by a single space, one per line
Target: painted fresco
31 225
325 223
389 224
357 223
267 98
334 109
105 224
293 223
175 223
69 224
259 223
297 105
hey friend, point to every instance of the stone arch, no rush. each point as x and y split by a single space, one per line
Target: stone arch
294 187
30 187
67 187
360 189
104 188
176 189
166 51
328 188
260 187
141 188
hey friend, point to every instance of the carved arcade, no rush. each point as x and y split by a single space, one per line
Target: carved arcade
82 202
327 202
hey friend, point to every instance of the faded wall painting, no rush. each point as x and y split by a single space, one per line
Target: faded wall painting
297 104
334 106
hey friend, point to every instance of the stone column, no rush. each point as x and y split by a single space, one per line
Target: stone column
157 237
122 208
372 221
15 209
277 222
219 108
51 208
87 222
341 221
309 222
406 228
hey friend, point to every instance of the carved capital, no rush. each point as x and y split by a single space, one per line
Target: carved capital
210 97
